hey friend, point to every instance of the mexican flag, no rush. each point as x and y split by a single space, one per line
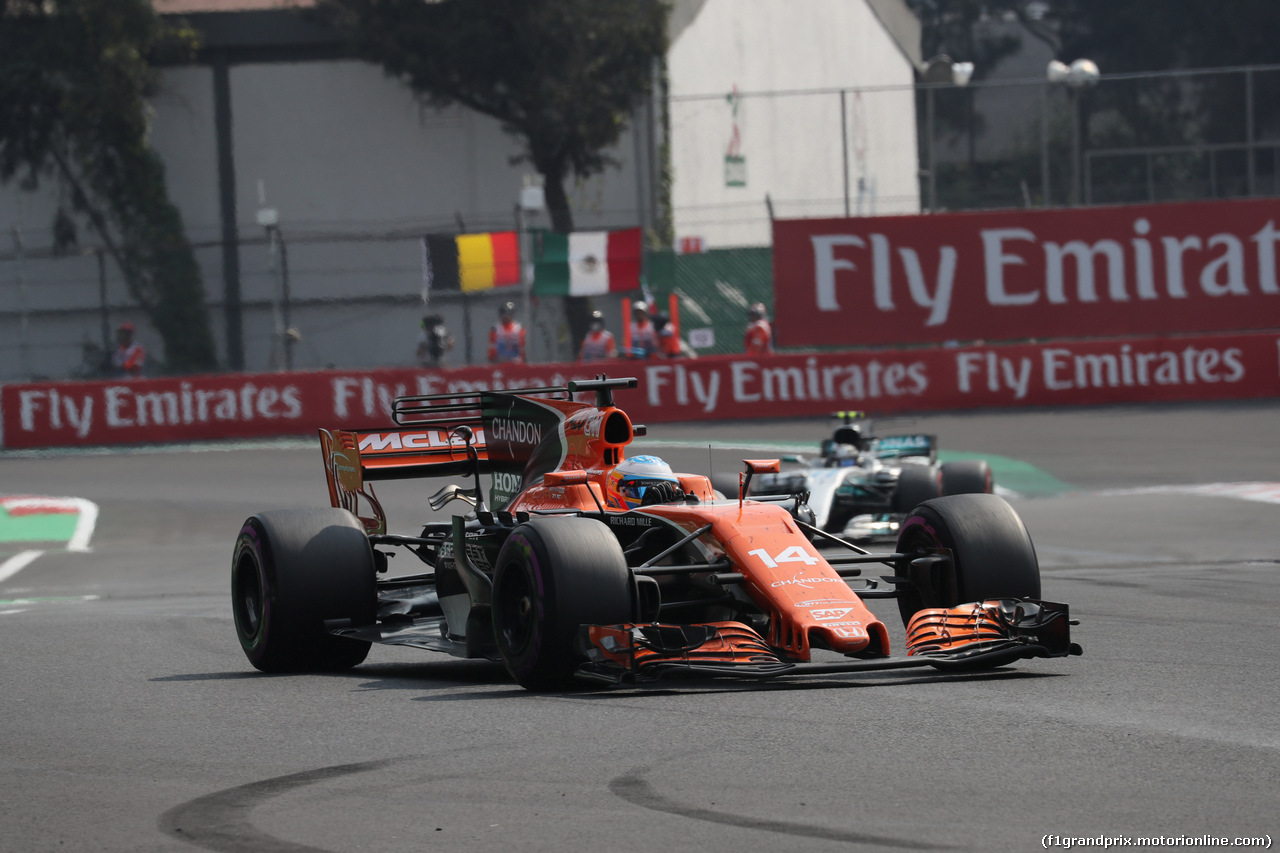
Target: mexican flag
587 263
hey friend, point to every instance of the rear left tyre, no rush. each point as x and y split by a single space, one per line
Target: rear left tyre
292 570
552 576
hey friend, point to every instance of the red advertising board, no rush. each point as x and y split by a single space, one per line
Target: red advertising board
1059 373
1027 274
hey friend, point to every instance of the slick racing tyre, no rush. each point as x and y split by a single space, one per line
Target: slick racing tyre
990 548
552 576
916 484
292 570
967 477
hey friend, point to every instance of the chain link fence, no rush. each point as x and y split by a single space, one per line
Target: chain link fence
1128 138
352 302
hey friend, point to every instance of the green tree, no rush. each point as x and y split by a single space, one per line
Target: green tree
958 29
560 75
74 76
1150 35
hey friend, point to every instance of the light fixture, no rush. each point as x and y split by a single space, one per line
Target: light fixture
941 69
1082 72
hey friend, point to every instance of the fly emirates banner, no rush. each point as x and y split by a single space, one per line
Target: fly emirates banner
1027 274
1054 373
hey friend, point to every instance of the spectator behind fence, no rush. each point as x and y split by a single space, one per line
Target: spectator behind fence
506 338
758 339
644 337
670 344
598 344
130 357
434 342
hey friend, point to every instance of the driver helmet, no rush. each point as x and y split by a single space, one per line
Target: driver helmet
851 435
506 309
632 478
756 311
597 321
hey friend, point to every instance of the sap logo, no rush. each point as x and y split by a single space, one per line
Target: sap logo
829 614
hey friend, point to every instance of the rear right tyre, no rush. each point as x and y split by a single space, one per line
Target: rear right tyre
967 477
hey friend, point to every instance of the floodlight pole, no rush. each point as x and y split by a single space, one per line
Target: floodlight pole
1075 146
933 157
1248 125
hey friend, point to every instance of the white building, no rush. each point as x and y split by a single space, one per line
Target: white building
797 67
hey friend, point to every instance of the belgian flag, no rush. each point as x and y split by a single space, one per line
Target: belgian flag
470 262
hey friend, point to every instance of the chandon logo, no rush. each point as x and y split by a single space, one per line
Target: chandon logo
804 582
516 432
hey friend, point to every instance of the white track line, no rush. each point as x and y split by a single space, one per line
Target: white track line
84 526
17 563
1261 492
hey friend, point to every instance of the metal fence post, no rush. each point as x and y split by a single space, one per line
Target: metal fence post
1044 144
1075 146
1248 125
933 160
844 149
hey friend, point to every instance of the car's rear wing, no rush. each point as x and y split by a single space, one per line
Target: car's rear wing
514 432
898 446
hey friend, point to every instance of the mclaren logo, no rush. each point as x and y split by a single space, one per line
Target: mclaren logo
375 442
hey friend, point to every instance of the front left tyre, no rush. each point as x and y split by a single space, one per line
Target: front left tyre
987 543
292 570
552 576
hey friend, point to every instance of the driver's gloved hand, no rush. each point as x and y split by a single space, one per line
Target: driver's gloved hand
662 493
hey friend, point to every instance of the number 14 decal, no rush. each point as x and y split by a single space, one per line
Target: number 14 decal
794 554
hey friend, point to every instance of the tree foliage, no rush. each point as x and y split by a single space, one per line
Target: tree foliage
560 75
74 76
1124 36
1150 35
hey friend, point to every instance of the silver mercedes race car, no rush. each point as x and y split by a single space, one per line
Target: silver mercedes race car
861 485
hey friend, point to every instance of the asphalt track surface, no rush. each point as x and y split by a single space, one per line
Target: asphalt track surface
132 722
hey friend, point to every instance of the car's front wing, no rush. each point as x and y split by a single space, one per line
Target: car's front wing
1009 630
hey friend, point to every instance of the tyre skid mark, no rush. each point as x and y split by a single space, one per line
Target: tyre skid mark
221 820
635 789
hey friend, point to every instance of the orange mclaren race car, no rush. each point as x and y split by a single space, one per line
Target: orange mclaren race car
582 563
